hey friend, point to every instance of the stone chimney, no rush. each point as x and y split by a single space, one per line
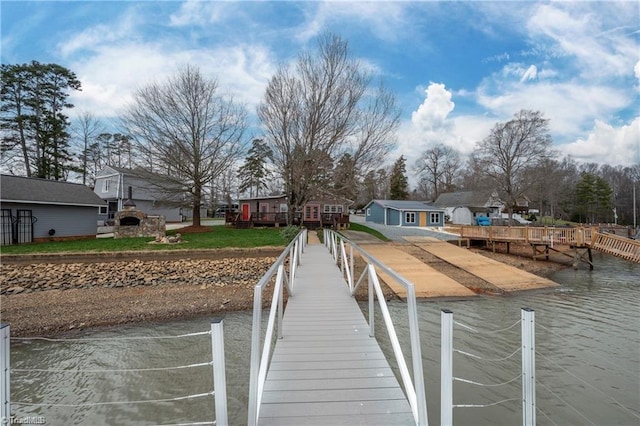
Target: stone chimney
129 204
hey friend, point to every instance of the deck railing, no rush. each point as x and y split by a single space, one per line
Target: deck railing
260 354
618 246
415 390
579 236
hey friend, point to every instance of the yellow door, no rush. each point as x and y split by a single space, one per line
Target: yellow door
423 219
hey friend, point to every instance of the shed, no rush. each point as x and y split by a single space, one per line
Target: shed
44 210
464 207
403 213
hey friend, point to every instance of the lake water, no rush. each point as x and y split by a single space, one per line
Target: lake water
587 362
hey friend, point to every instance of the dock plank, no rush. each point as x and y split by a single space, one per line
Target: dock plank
327 370
501 275
427 281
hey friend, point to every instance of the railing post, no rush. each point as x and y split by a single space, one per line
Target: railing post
342 256
446 367
219 378
352 268
528 367
416 358
5 372
256 330
372 295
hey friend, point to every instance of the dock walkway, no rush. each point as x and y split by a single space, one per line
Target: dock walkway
327 370
501 275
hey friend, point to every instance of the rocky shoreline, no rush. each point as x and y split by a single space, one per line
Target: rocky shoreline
52 297
28 278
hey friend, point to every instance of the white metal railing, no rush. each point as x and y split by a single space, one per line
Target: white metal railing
260 355
415 390
527 375
217 363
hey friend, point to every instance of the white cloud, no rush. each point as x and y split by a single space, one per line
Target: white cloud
530 74
577 31
197 12
636 70
124 28
606 144
432 113
112 75
381 19
432 124
570 105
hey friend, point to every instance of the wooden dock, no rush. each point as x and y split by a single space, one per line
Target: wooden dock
585 238
501 275
428 282
327 370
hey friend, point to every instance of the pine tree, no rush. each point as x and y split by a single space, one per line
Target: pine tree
254 173
35 129
399 186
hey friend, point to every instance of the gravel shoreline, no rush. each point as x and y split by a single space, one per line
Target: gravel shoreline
46 299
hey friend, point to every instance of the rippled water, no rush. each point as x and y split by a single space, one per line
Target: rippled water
587 363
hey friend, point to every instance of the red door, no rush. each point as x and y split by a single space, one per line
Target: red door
245 212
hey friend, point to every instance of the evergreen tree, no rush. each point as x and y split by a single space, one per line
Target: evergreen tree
345 182
35 128
593 195
399 186
254 173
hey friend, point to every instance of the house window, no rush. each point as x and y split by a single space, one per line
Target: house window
105 185
434 218
368 212
410 217
333 208
283 208
102 210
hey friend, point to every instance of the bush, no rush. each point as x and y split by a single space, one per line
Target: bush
289 233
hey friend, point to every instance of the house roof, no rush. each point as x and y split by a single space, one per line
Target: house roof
266 197
44 191
405 205
466 199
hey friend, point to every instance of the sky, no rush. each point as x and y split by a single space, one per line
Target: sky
456 68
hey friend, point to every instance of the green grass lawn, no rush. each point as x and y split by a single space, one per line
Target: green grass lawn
218 237
361 228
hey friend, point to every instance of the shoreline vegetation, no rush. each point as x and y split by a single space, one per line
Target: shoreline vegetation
60 294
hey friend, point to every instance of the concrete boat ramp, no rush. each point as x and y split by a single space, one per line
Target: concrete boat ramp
430 283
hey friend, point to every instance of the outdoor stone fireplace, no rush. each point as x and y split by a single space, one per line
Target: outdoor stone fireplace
131 222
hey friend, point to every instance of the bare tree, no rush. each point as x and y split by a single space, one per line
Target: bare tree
510 150
438 166
320 109
86 130
190 132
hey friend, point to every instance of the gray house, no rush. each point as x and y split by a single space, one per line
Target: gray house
113 183
35 210
403 213
464 207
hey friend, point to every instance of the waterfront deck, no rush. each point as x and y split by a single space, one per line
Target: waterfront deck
327 370
586 238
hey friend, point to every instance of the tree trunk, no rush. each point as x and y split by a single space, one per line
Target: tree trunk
197 199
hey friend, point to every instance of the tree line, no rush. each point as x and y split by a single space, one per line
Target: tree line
326 125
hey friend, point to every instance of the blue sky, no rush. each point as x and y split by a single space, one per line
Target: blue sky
456 68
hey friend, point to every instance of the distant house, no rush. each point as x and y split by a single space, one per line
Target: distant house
113 183
322 210
44 210
462 208
268 210
403 213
